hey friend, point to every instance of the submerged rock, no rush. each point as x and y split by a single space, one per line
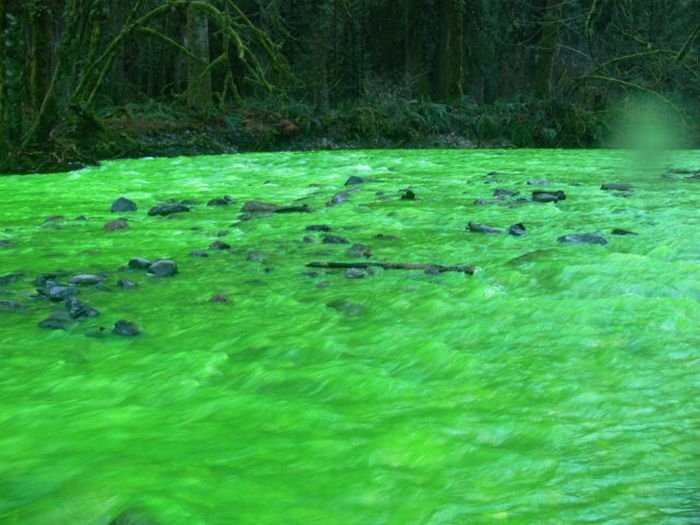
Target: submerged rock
199 253
548 196
55 322
540 182
221 201
10 278
219 245
80 310
623 231
338 198
122 204
583 238
517 229
10 306
259 207
482 228
163 268
408 195
346 307
502 192
618 186
116 225
318 228
356 273
335 239
60 293
127 328
358 250
354 179
220 298
127 284
304 208
168 208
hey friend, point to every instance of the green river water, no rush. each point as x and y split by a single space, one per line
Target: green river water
558 384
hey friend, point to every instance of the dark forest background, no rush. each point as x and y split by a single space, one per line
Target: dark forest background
82 80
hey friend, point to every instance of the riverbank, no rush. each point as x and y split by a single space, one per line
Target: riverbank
160 130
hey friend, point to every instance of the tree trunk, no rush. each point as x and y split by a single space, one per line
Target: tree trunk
450 52
3 136
199 93
415 50
42 46
547 49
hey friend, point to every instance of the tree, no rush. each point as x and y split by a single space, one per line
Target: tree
199 94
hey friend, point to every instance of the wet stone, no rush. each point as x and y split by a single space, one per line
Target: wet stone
199 253
80 310
583 238
502 192
86 279
139 263
355 273
168 208
126 328
540 182
10 306
517 229
221 201
335 239
304 208
354 179
338 198
60 293
617 186
163 268
622 231
346 307
408 195
116 225
548 196
122 204
127 284
318 228
483 228
219 298
258 207
220 245
55 323
10 278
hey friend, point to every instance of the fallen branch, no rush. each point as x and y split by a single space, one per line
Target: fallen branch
438 268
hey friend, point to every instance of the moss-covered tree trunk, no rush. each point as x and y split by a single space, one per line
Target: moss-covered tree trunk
450 50
416 43
547 48
199 94
42 45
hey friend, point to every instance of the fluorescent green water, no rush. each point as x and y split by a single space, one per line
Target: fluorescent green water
557 385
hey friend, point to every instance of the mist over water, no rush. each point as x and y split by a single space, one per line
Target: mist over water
558 384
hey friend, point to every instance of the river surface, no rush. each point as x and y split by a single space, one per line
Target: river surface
558 384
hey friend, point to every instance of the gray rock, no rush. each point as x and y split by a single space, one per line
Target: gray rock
60 293
517 229
583 238
80 310
127 328
258 207
304 208
127 284
86 279
199 253
221 201
482 228
335 239
116 225
548 196
318 228
354 179
617 186
54 323
139 263
163 268
123 204
168 208
219 298
540 182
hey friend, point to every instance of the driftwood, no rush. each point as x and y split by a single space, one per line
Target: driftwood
437 268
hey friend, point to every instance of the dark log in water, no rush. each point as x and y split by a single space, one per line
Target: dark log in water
436 268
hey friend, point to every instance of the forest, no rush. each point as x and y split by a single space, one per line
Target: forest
84 80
